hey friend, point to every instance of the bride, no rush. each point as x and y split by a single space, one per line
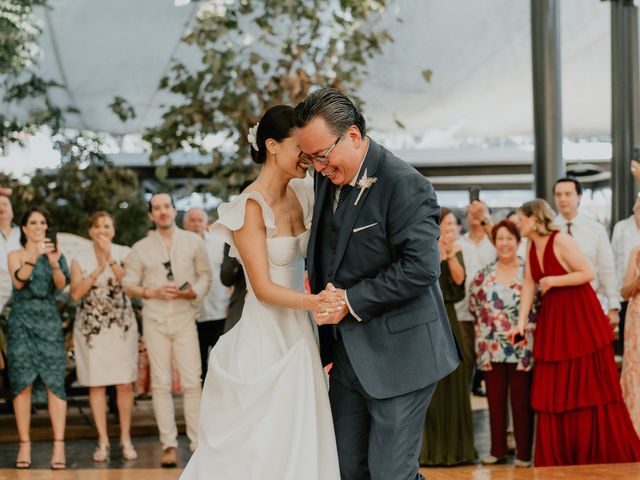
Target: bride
265 411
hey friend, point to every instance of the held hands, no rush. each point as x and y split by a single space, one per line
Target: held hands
331 307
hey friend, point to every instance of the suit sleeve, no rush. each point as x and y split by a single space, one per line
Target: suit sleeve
413 233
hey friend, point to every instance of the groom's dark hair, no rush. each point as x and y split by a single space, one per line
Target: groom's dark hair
333 107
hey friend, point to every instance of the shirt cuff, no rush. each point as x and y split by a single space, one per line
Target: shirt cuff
346 297
614 303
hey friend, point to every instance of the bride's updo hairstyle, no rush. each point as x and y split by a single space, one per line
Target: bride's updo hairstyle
276 123
541 211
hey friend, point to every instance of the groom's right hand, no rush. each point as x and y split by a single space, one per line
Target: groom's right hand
332 306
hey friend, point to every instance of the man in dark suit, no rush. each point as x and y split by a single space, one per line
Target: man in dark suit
373 250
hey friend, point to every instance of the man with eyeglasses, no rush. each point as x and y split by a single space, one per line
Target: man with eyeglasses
169 270
373 253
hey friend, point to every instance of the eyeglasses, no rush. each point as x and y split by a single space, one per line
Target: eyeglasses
167 266
319 158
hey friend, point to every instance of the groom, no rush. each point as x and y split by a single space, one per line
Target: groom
373 246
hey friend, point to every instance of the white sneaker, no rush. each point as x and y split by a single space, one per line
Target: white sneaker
491 460
522 463
101 453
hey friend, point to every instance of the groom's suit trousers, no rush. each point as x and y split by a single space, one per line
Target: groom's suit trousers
377 439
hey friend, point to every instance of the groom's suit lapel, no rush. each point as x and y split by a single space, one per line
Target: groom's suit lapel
370 165
322 189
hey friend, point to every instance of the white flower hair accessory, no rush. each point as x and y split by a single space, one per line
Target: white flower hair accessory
252 137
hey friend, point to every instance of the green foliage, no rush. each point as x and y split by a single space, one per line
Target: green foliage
256 54
19 52
123 109
84 183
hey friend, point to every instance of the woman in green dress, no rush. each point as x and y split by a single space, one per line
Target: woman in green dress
448 428
35 340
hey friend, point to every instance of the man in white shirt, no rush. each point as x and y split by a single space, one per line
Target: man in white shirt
213 311
477 253
593 241
170 271
626 235
9 241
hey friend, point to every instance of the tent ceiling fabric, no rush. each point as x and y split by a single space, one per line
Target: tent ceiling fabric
480 54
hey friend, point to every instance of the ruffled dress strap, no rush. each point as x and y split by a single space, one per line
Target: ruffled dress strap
231 218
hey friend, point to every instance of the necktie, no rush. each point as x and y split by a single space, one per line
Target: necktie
345 190
569 228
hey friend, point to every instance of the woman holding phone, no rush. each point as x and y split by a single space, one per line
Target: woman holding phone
582 418
494 301
105 334
36 353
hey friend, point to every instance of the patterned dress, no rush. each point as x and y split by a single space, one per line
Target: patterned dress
630 378
495 307
105 334
35 339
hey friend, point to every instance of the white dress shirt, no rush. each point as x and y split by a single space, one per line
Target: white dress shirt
335 205
216 301
626 236
593 241
189 263
475 256
7 244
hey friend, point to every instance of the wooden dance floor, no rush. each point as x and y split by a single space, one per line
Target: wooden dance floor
502 472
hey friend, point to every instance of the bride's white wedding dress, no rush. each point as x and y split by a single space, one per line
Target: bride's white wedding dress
265 411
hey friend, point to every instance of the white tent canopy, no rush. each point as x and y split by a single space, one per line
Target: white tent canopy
479 52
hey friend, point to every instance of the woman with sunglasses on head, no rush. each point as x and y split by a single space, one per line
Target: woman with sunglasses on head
36 353
105 335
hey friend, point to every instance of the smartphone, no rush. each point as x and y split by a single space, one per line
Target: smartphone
518 338
52 235
474 194
184 286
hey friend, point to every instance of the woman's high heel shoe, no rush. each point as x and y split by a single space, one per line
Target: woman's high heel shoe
23 464
58 465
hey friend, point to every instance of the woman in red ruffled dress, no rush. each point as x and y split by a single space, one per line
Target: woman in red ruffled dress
575 391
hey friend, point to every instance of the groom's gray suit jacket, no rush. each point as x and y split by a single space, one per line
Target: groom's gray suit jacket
384 252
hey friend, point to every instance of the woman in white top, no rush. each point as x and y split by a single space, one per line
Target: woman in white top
105 332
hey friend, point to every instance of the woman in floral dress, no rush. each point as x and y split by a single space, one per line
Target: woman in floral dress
105 333
630 379
494 299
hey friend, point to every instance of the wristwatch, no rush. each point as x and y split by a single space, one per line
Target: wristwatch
484 221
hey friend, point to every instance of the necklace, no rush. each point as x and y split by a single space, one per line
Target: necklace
286 209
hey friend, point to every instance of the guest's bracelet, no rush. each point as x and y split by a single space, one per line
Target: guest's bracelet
112 263
31 264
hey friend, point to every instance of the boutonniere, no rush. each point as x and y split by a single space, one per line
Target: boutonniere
364 183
